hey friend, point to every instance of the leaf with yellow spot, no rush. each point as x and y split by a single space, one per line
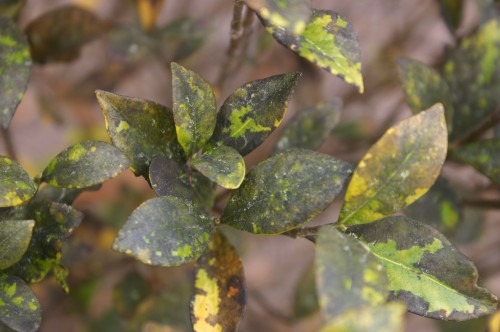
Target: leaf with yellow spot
194 107
16 186
15 68
219 298
483 155
165 231
329 41
285 191
140 128
19 307
84 165
348 276
221 164
425 271
15 236
253 112
398 169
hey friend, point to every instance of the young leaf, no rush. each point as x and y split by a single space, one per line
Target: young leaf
388 317
285 191
219 298
19 307
221 164
165 231
15 68
310 127
291 15
15 236
398 169
425 271
140 128
253 111
59 34
16 186
329 41
347 275
483 155
451 10
84 165
195 109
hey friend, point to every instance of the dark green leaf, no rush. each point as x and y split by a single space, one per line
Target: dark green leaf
398 169
165 231
61 195
16 186
310 127
329 41
84 165
221 164
15 68
219 298
292 15
425 271
19 307
285 191
253 111
59 34
347 275
140 128
483 155
15 236
451 10
305 300
129 293
195 109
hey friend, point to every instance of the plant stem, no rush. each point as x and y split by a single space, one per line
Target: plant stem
492 120
493 204
11 151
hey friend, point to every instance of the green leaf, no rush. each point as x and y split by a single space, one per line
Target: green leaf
84 165
483 155
46 34
140 128
329 41
253 111
388 317
219 298
16 186
398 169
424 87
15 68
451 10
425 271
11 8
291 15
347 275
195 109
221 164
310 127
285 191
165 231
19 307
305 299
15 236
129 293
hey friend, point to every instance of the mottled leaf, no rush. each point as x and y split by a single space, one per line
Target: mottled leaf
483 155
305 299
16 186
15 236
398 169
15 68
140 128
219 298
84 165
329 41
148 12
347 275
165 231
253 111
425 271
291 15
310 127
384 318
424 87
19 307
59 34
285 191
451 10
473 74
194 108
61 195
221 164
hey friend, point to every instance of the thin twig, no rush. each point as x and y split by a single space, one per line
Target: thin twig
492 120
483 203
11 151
